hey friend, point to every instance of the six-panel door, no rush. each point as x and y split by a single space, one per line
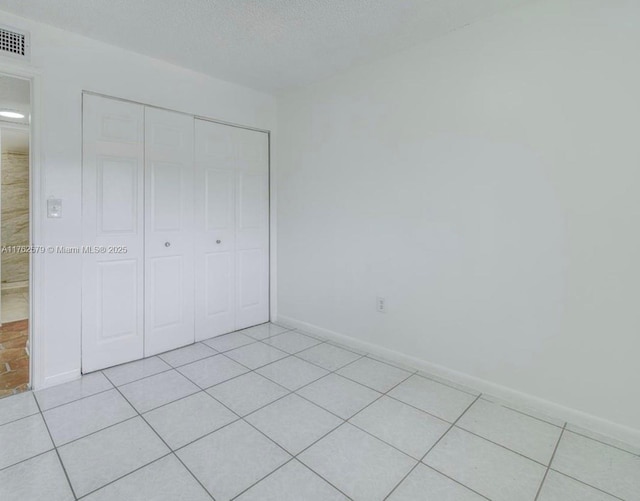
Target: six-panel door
112 231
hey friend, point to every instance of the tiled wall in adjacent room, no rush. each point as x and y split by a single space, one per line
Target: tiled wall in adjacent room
15 215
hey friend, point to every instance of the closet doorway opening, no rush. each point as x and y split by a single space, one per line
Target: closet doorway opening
15 241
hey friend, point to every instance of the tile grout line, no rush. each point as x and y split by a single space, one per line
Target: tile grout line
454 480
55 447
546 472
176 367
637 454
289 392
503 404
125 475
585 483
502 446
163 441
432 447
242 418
17 419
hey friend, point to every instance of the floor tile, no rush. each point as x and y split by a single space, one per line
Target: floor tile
362 467
607 468
328 356
377 375
256 355
126 373
410 430
524 409
293 422
188 354
558 487
292 341
528 436
613 442
425 484
17 406
341 396
450 383
247 393
292 482
188 419
98 459
212 370
229 341
36 479
77 419
435 398
232 459
264 331
154 391
163 480
488 469
23 439
86 386
292 373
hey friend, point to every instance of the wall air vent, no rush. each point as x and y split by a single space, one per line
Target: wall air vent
14 43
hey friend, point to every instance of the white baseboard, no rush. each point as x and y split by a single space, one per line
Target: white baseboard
56 379
512 396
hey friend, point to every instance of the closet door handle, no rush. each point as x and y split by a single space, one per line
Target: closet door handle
167 244
218 241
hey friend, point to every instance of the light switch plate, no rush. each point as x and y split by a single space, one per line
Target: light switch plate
54 207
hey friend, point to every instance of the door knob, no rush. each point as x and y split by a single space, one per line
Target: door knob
167 244
218 241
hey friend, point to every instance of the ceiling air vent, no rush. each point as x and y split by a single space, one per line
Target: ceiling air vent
14 43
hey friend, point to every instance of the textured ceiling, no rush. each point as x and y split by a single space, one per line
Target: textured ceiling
270 45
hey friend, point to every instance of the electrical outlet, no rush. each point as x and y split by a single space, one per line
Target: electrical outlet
381 304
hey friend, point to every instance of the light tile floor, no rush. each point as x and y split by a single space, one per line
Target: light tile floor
270 413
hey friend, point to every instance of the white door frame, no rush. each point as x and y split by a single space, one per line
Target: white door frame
36 259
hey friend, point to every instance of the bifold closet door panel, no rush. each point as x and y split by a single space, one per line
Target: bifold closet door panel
252 228
232 228
169 230
112 218
215 229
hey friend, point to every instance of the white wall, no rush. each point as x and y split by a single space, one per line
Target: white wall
488 185
70 64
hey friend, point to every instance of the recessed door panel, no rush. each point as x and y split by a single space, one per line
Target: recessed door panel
117 312
219 199
112 283
117 189
119 128
169 270
249 278
219 279
166 195
251 195
166 291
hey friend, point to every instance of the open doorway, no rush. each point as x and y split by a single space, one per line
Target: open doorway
14 235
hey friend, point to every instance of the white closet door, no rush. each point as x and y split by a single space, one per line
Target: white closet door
215 230
252 228
169 231
112 216
232 229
